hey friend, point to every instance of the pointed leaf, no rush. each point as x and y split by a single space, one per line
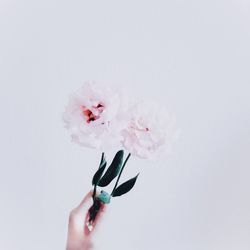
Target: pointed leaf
98 174
113 169
125 187
103 160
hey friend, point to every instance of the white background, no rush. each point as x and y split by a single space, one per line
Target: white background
193 56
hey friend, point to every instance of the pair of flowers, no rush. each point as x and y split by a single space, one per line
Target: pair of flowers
100 117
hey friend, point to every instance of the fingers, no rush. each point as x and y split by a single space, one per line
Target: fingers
79 235
80 216
85 204
90 227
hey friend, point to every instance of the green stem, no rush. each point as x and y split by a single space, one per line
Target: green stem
94 191
119 176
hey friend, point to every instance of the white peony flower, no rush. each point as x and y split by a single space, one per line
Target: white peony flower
92 116
149 130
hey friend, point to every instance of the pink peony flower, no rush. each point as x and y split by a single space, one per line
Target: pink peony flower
149 130
92 116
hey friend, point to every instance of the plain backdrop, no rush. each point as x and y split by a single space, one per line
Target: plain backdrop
192 56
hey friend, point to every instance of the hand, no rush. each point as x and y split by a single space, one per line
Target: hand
79 236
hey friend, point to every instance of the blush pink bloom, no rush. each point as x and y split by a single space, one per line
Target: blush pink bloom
149 130
92 116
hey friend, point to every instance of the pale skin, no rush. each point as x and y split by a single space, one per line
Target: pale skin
79 236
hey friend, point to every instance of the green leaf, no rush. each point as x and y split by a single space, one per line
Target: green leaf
99 173
103 160
113 169
125 187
